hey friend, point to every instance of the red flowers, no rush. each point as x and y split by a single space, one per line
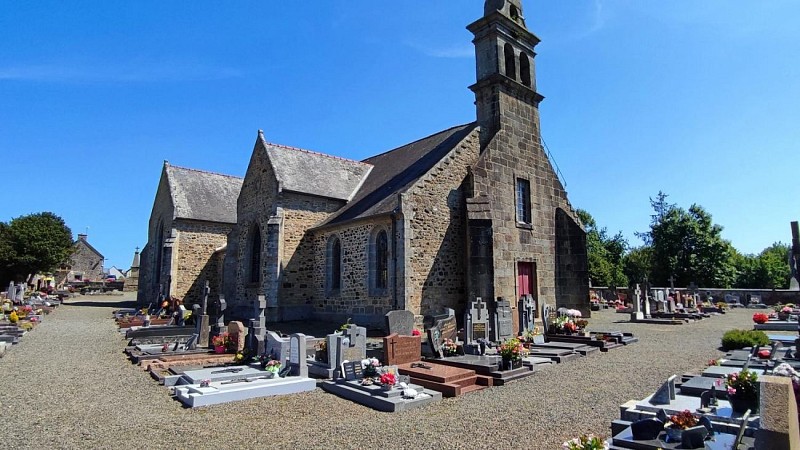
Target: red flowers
388 379
415 332
760 318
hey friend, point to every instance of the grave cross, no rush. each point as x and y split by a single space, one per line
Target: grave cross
206 291
671 283
479 305
351 332
638 291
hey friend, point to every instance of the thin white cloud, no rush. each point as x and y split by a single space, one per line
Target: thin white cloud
599 16
142 73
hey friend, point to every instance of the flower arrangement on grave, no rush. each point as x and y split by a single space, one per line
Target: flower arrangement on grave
722 305
370 367
585 442
683 420
321 351
205 383
13 317
449 348
243 356
220 342
760 318
713 362
273 365
388 379
512 350
742 388
581 323
416 332
573 313
530 334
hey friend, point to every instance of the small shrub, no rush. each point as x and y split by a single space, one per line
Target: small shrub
736 339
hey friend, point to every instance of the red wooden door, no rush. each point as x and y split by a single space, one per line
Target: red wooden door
525 279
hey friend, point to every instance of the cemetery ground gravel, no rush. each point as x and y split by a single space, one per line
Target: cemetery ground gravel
68 385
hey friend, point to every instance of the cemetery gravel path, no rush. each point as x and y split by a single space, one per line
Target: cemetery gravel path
68 385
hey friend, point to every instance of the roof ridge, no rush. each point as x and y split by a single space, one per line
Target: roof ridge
206 171
422 139
289 147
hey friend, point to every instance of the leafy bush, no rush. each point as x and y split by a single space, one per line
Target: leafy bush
736 339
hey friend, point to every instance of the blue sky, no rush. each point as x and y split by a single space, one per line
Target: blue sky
698 99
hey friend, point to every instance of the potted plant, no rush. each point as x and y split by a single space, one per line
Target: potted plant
273 366
220 343
742 390
679 422
370 367
321 353
512 351
532 336
783 314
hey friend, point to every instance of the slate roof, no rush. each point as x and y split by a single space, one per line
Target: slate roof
314 173
200 195
396 171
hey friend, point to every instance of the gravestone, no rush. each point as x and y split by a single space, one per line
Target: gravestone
665 394
277 346
445 328
637 305
671 305
219 316
297 355
20 293
257 327
503 322
400 322
548 314
354 347
10 294
236 334
646 307
476 322
401 349
200 313
527 313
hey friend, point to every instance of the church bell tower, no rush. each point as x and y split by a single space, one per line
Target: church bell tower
504 57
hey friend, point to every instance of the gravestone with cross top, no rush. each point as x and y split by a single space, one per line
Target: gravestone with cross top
637 314
202 319
256 332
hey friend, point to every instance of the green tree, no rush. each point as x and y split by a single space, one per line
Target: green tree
638 264
32 244
605 253
769 269
688 245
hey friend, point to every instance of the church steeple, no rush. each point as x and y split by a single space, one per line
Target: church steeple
504 61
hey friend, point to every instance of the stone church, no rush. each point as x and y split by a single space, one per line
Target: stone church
193 212
475 210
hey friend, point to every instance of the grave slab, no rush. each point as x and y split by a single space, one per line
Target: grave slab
450 381
217 392
377 398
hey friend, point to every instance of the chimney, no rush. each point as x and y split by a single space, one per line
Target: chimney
82 237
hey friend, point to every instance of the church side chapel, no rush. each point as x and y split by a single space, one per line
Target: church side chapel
472 211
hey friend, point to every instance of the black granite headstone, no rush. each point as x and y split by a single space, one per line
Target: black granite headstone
646 429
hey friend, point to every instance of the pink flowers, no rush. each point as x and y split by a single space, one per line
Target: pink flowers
415 332
388 379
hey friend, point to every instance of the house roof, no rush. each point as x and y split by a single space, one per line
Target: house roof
201 195
82 239
314 173
395 171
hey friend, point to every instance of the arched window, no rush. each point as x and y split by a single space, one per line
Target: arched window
381 261
159 251
255 254
511 67
334 264
524 69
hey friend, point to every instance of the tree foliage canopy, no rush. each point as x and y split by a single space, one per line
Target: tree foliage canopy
605 253
32 244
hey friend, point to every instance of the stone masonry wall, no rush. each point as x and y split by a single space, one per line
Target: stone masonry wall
85 261
255 205
298 287
353 300
161 214
514 152
436 262
194 259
